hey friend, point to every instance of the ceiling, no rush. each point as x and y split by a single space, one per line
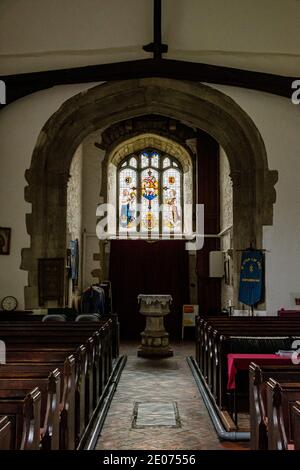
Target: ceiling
259 35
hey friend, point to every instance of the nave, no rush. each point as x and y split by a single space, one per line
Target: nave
68 385
160 382
150 192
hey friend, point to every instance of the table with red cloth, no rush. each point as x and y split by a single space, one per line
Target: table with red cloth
289 313
237 362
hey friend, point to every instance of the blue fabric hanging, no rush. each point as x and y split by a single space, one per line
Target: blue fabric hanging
74 259
251 277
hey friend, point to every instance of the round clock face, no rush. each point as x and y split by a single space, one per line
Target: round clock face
9 303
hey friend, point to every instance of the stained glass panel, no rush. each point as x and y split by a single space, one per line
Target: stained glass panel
166 162
172 211
133 162
155 159
139 182
127 199
144 159
149 201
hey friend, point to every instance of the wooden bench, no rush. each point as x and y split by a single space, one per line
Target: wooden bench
102 341
49 386
95 367
5 433
232 325
258 377
296 421
216 337
45 346
102 352
24 414
240 342
281 397
73 366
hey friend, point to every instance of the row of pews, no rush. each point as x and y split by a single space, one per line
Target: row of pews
274 394
53 381
271 384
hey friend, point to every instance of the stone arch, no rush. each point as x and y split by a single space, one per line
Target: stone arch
197 105
137 143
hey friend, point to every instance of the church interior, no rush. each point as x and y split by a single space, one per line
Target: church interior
149 243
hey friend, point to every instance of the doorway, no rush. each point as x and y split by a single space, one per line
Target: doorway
148 267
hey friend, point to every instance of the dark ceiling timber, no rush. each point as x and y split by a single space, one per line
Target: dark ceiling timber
18 86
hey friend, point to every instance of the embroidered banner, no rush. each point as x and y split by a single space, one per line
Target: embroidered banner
251 277
74 259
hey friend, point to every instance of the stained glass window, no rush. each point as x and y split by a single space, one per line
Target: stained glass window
147 182
155 159
133 162
150 201
127 199
172 200
166 163
144 159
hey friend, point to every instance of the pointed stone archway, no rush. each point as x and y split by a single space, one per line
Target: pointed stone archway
195 104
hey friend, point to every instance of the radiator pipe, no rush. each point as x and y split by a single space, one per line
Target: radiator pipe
217 422
92 433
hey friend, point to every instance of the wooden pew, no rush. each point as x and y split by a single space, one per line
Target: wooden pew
102 353
63 330
5 433
24 413
35 344
84 372
46 347
68 335
215 343
258 377
57 358
280 400
296 421
14 381
31 421
92 365
270 342
210 330
66 401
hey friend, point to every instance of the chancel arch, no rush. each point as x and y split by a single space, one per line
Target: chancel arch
196 105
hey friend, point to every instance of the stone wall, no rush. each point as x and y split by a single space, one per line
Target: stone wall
92 266
226 221
74 197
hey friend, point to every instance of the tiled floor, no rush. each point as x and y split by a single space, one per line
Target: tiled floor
161 381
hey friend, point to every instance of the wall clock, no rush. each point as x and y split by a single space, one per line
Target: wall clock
9 303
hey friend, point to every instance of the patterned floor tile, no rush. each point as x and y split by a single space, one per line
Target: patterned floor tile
160 381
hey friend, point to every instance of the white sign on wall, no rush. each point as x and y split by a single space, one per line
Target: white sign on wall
189 313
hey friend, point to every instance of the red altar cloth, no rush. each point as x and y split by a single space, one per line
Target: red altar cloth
237 362
289 313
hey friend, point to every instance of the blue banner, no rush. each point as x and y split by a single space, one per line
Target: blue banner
251 277
74 259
